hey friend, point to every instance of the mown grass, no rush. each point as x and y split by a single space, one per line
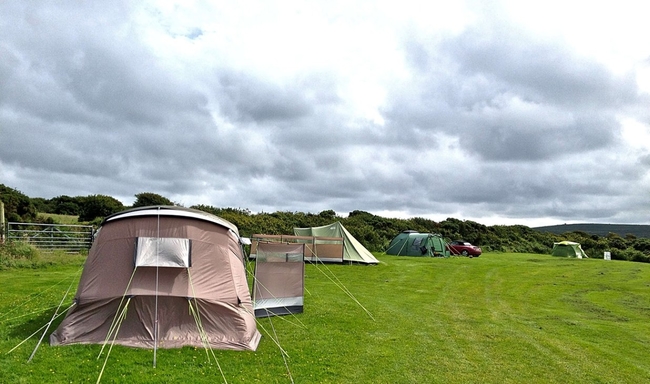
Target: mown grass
499 318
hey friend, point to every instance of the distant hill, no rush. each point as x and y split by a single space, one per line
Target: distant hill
637 230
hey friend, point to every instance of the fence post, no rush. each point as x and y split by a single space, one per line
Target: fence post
2 222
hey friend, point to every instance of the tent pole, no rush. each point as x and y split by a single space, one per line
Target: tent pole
54 316
155 321
408 237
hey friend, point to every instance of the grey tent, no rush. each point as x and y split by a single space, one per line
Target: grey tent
163 277
353 250
279 284
568 249
414 243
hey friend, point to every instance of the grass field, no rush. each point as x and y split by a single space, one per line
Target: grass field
60 219
499 318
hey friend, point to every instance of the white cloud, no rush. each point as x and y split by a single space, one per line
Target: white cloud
499 112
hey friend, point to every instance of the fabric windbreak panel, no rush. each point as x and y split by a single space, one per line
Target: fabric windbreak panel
328 249
162 252
353 250
257 238
308 241
279 279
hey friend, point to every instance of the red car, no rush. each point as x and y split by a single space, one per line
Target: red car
459 247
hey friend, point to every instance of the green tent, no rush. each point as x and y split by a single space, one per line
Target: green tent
413 243
353 250
568 249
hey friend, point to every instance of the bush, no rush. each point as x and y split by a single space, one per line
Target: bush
640 257
642 245
630 254
13 254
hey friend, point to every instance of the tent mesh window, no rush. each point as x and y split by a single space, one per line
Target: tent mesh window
163 252
279 257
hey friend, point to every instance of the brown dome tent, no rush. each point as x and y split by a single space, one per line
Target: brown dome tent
163 277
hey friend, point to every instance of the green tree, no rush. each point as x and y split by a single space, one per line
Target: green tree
146 199
42 205
99 206
328 215
18 207
642 245
66 205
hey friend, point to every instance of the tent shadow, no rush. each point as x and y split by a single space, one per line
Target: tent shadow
28 327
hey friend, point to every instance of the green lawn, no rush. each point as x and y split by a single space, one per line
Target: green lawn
499 318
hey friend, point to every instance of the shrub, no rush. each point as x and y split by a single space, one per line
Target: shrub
630 254
641 257
15 253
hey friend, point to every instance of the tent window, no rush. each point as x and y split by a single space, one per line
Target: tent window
163 252
280 257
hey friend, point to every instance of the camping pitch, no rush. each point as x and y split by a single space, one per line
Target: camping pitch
413 243
568 249
163 277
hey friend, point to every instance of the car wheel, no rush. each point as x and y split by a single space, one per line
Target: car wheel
464 253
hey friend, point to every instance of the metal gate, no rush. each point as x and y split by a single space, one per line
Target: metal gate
52 237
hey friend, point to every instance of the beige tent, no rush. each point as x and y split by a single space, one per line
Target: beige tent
163 277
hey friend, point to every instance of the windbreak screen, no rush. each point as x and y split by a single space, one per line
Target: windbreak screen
163 252
279 279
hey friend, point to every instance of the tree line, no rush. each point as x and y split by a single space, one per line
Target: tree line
374 232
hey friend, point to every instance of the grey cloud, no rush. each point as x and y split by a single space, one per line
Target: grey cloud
509 97
248 98
490 122
543 72
533 140
80 75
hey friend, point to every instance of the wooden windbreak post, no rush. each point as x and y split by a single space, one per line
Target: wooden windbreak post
2 222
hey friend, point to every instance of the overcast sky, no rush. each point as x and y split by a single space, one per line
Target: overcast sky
501 112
